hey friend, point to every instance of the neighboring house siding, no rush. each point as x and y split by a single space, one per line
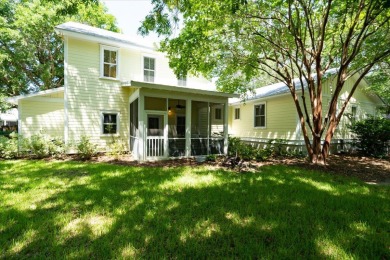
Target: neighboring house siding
281 119
89 95
36 118
365 104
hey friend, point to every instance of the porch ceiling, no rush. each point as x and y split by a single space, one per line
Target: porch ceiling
153 86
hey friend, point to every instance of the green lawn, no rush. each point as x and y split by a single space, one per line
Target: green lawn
91 210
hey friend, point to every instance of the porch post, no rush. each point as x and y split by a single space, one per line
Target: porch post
188 127
225 127
141 127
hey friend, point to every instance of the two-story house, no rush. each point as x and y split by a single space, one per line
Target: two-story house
117 88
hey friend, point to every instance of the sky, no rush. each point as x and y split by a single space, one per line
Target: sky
129 14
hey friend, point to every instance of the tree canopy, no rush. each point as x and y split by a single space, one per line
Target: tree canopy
31 53
238 41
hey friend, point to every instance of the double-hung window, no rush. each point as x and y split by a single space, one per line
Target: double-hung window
110 122
109 62
149 69
259 120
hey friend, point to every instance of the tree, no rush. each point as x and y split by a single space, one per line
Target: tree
238 40
379 82
31 53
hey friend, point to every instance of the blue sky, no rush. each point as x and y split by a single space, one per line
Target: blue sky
129 14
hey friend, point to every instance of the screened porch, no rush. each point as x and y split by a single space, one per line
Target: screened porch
164 127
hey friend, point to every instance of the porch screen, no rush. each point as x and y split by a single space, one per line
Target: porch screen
177 127
207 128
133 125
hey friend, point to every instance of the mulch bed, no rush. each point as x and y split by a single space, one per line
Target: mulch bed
370 170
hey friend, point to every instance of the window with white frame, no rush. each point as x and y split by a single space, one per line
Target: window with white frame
259 120
237 113
109 62
149 69
182 81
218 114
110 122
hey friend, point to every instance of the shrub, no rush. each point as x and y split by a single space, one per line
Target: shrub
9 147
85 149
37 145
41 146
57 148
373 134
116 148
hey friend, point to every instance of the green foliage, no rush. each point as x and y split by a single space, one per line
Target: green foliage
211 157
373 134
41 146
273 147
85 148
116 148
239 42
31 52
379 83
9 147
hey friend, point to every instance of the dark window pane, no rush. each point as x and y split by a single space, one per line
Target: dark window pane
113 71
106 72
106 55
113 57
262 110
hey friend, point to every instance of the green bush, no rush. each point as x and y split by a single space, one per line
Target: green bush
116 148
373 134
41 146
85 149
9 147
247 152
37 145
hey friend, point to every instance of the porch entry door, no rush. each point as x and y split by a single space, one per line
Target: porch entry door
156 135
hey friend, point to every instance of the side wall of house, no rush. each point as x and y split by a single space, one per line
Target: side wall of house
280 122
88 95
42 115
282 119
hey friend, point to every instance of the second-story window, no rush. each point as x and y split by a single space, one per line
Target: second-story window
109 62
149 69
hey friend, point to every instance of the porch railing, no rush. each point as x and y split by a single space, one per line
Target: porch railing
155 146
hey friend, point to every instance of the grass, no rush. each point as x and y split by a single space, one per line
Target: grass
91 210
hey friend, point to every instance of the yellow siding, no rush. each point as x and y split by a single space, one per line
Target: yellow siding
88 95
281 120
364 102
36 117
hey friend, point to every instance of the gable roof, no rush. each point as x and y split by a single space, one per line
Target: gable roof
87 32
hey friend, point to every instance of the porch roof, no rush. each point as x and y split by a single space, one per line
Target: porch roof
154 86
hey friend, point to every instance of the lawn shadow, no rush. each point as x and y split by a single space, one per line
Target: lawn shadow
105 211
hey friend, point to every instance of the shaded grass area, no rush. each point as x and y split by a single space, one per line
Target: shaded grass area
84 210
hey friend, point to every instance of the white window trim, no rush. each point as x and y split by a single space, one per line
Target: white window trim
265 115
234 115
118 120
143 67
109 48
